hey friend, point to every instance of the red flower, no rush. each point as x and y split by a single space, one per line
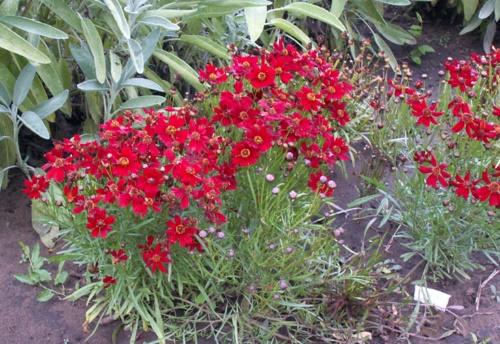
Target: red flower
125 163
463 186
482 131
437 173
462 75
426 114
496 111
260 138
490 191
155 258
339 113
99 222
118 256
108 281
423 156
262 76
181 231
35 186
318 182
213 75
336 149
463 111
308 100
244 154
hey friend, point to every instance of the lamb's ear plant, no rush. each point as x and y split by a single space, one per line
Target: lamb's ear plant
12 120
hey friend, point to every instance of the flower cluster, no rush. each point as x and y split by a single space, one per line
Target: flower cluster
485 188
175 165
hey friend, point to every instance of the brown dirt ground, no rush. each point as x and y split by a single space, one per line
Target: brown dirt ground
25 321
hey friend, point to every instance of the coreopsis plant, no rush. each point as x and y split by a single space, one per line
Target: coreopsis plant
209 204
446 145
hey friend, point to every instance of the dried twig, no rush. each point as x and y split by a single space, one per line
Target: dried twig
483 285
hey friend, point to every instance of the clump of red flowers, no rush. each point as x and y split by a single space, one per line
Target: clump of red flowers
176 165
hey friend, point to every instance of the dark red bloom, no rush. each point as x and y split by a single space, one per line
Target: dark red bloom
437 173
118 256
213 75
426 114
156 257
463 186
319 183
308 100
262 76
462 75
99 222
181 231
489 192
108 281
244 154
35 186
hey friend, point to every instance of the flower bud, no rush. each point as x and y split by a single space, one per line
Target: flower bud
275 190
269 177
221 235
203 234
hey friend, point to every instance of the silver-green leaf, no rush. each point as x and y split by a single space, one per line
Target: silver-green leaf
35 124
34 26
51 105
142 102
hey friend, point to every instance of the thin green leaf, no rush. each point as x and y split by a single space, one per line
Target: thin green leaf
489 35
35 124
396 34
9 8
497 10
142 102
96 48
63 11
206 44
136 55
33 26
45 295
291 29
23 84
470 7
337 7
256 19
144 83
51 105
387 50
117 13
471 26
487 9
180 67
396 2
91 86
161 22
26 279
11 41
115 66
316 12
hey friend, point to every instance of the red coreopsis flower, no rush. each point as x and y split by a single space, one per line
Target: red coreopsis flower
462 75
35 186
150 181
244 154
156 257
425 113
171 129
463 111
489 192
187 172
262 76
213 75
71 193
260 137
118 256
336 149
108 281
339 113
99 222
243 65
125 163
308 100
437 173
181 231
463 185
318 182
496 111
481 130
57 167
